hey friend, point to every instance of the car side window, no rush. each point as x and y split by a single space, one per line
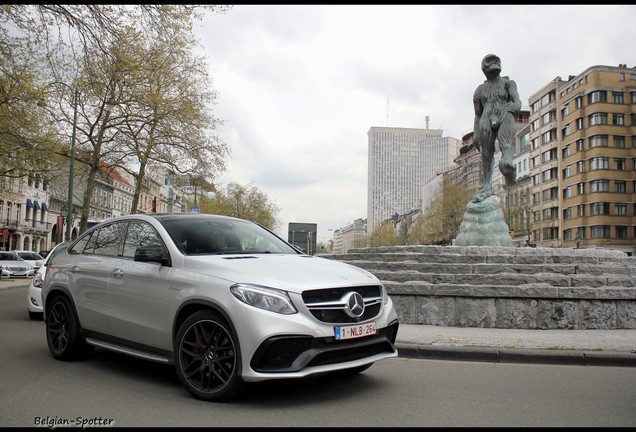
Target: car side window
109 239
139 234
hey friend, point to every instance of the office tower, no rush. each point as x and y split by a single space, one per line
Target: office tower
401 162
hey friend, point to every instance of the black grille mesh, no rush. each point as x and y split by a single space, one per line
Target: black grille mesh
293 353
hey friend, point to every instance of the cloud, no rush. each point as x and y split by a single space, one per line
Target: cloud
299 86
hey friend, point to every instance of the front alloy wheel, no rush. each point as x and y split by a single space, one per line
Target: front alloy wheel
62 331
207 358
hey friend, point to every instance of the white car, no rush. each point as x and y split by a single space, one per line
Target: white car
34 293
224 300
14 267
33 258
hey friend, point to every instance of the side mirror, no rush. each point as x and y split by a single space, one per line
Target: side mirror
153 253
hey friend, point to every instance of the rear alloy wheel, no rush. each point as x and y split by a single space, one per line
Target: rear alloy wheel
207 358
62 331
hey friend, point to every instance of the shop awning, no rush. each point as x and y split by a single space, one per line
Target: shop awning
29 203
36 205
44 207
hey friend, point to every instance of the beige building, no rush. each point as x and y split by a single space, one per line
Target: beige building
583 160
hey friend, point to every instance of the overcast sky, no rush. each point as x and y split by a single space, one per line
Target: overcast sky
300 86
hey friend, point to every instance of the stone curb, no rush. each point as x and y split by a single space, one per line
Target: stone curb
507 355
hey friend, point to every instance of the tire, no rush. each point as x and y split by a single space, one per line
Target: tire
207 357
62 331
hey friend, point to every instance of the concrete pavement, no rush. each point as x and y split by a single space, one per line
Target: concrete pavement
573 347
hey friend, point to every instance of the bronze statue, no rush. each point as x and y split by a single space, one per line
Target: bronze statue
496 101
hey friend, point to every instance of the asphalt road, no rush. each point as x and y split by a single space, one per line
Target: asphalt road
110 389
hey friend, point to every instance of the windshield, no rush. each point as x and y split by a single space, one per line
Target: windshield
204 236
30 256
8 256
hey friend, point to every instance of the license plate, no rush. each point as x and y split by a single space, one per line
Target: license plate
355 331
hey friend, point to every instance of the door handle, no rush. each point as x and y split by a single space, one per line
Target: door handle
118 272
74 269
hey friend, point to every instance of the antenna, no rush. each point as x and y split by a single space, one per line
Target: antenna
387 110
426 122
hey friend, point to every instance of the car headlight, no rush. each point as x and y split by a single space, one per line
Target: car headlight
37 280
385 295
270 299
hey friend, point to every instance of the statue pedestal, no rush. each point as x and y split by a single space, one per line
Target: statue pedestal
483 225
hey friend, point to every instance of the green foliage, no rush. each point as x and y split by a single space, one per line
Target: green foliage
384 235
439 224
245 202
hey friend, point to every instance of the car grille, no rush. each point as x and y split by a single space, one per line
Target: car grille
17 269
329 305
293 353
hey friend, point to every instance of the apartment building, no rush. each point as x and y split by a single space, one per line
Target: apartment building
583 160
401 161
351 236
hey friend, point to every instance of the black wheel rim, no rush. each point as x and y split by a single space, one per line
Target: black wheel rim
207 356
57 328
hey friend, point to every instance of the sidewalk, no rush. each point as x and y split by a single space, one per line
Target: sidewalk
574 347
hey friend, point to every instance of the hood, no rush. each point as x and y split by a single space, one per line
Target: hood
294 273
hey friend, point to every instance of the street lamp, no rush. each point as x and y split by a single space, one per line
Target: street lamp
71 172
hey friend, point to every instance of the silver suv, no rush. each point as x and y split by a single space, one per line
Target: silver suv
224 300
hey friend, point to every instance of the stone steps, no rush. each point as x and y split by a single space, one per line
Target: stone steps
505 287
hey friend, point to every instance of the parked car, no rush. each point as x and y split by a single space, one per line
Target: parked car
34 293
33 258
12 266
224 300
45 252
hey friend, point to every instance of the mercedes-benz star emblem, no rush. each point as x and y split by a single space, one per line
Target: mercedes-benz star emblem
354 305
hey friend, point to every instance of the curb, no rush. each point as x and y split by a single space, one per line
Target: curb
507 355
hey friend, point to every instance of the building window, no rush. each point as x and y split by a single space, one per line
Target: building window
549 155
618 119
549 174
600 208
620 164
567 213
567 234
617 97
599 186
567 171
578 102
579 123
598 119
581 166
546 137
565 111
620 186
535 143
600 231
567 192
536 180
621 209
597 96
550 194
565 152
599 141
579 145
581 188
619 141
599 163
581 210
621 232
566 131
550 233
